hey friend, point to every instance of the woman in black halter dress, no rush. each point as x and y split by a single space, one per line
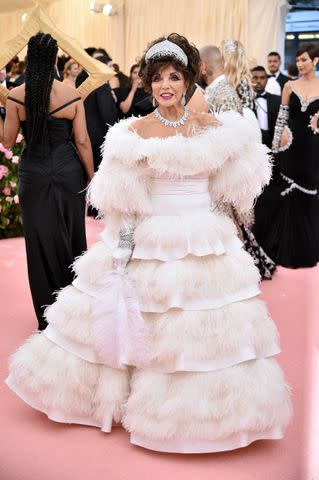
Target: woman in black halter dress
52 175
287 213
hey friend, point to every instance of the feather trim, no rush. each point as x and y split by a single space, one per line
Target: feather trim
179 155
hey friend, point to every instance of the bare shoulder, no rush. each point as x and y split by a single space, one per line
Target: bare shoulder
286 92
64 90
288 87
18 92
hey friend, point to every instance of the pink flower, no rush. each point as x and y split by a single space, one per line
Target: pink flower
6 191
2 149
13 184
8 154
15 159
16 199
19 138
3 170
9 199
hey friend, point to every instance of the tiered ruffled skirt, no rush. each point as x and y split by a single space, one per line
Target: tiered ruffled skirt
193 374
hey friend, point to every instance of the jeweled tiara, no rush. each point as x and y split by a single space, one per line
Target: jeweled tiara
166 48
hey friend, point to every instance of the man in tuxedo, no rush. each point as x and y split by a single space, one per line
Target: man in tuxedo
266 105
274 62
101 113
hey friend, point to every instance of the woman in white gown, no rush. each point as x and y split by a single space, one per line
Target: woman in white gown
162 331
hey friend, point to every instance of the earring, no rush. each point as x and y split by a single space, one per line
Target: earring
154 102
315 66
183 101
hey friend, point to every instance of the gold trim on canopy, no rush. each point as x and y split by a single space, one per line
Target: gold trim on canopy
40 21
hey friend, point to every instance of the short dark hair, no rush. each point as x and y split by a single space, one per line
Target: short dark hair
191 72
310 48
135 65
259 68
102 51
103 58
274 54
90 50
292 70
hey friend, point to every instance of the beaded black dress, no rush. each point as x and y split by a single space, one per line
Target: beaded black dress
51 188
287 215
263 262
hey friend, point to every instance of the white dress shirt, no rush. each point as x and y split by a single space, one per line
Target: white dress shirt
262 112
273 86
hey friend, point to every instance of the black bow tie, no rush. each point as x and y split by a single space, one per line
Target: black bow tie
261 95
274 76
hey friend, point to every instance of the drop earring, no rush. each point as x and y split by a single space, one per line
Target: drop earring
183 101
314 66
154 102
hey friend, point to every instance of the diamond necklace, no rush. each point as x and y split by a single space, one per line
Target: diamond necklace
169 123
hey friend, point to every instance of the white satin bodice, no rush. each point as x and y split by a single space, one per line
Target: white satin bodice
180 196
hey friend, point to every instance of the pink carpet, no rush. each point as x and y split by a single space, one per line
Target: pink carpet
34 448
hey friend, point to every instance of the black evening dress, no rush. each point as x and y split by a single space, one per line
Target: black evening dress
51 188
263 262
139 96
287 213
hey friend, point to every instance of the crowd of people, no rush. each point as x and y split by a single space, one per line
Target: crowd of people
177 188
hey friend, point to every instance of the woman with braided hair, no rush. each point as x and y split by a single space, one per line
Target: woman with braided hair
52 173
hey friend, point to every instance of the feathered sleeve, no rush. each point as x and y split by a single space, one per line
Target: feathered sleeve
119 189
241 178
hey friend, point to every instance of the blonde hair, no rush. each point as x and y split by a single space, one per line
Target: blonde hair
236 66
67 67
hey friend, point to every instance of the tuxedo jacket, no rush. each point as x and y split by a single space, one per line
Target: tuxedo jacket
273 104
282 79
100 111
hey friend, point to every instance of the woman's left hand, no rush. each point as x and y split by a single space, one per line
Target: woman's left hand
314 123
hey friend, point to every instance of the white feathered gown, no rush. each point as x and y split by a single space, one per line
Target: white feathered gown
201 376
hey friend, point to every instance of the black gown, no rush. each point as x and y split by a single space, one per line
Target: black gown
287 213
263 262
51 188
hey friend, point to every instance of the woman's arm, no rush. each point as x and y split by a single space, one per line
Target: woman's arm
247 165
282 136
82 140
10 128
114 83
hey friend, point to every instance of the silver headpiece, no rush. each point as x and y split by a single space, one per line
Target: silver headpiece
231 46
166 48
